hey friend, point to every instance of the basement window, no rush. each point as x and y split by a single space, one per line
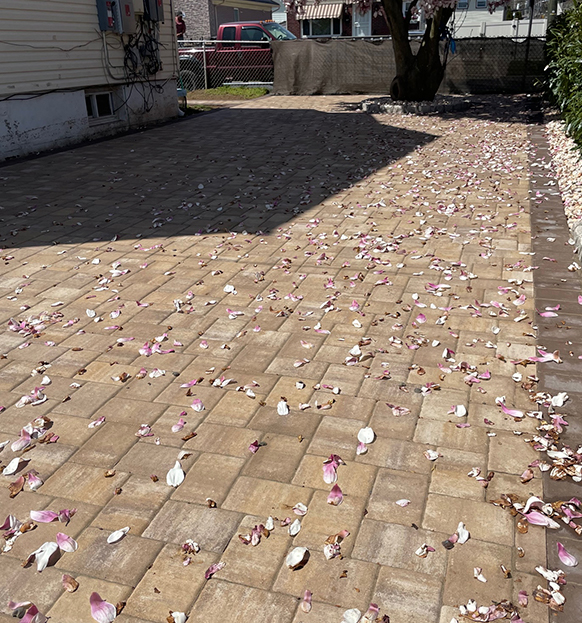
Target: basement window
99 105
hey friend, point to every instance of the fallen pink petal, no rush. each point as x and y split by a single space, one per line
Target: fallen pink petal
214 569
335 497
66 543
566 557
44 516
101 610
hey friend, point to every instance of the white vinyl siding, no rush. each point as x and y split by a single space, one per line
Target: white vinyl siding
31 32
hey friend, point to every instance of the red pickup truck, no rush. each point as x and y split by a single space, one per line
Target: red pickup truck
241 53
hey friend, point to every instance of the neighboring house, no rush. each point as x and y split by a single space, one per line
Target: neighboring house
473 19
337 18
280 13
68 73
203 17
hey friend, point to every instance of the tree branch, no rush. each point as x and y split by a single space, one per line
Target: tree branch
399 31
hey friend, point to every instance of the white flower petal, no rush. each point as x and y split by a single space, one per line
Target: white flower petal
175 476
295 527
116 536
296 557
366 435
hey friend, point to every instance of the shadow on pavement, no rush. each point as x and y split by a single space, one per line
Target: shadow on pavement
498 108
235 170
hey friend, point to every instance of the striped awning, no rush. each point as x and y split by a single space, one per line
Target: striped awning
323 10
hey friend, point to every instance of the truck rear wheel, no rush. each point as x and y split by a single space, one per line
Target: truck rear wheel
192 76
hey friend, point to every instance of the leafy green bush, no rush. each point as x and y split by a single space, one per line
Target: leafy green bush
564 69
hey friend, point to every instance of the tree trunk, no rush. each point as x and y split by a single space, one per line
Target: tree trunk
418 76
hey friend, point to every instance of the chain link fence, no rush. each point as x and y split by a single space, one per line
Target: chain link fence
343 66
211 64
333 66
495 65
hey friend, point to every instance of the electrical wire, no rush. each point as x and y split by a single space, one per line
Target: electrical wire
141 62
49 47
19 97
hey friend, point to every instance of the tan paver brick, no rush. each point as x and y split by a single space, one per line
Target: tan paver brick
336 436
123 562
130 412
135 507
75 608
302 423
168 585
212 528
18 584
448 435
234 409
323 520
86 400
277 460
264 497
148 458
510 454
249 603
255 565
324 577
211 476
396 454
228 440
391 486
107 446
443 513
408 597
83 483
460 585
394 546
354 479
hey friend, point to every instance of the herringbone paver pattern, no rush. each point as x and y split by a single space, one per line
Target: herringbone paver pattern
334 228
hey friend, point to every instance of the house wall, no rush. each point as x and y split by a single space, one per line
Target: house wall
198 17
379 23
203 17
280 15
51 53
477 22
225 14
293 24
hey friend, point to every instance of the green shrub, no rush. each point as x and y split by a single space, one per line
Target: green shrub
564 69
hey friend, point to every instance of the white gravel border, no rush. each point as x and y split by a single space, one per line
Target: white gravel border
567 164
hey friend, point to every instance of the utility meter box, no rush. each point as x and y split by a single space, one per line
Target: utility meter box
127 16
116 16
106 13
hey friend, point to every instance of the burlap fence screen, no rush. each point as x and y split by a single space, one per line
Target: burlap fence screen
343 66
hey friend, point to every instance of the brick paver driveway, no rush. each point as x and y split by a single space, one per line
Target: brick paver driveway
243 292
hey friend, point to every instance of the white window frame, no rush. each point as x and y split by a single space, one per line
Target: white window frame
312 36
463 4
480 4
96 118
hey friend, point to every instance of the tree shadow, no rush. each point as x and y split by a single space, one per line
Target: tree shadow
520 108
238 170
